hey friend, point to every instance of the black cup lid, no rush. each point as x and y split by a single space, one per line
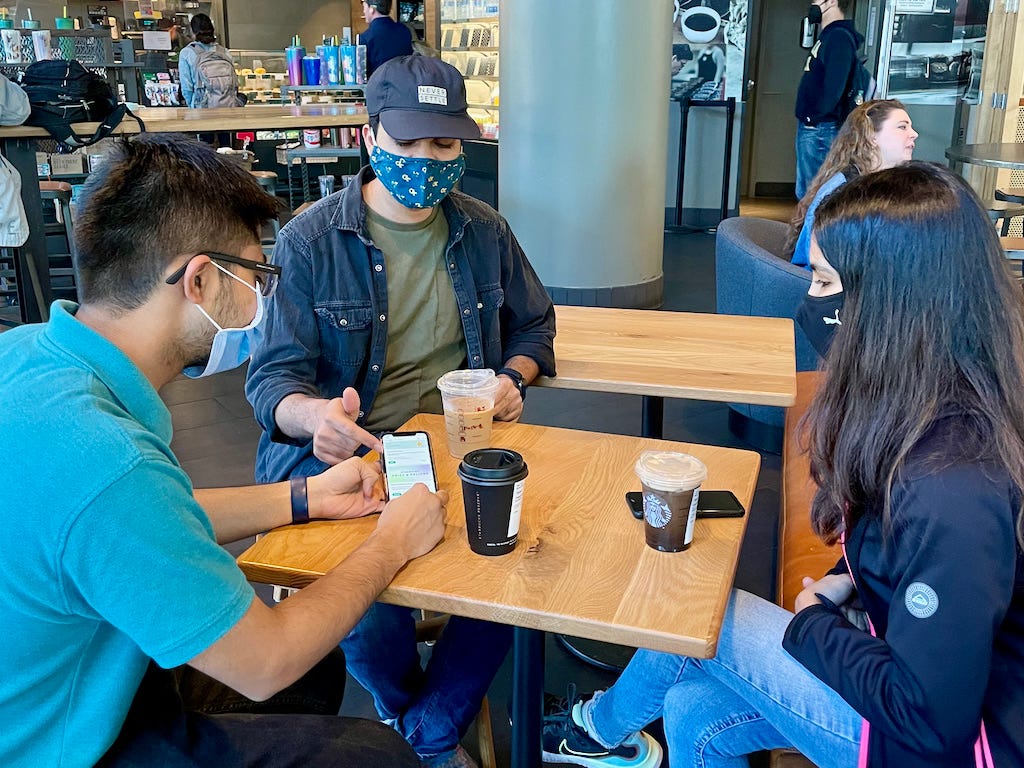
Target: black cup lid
492 464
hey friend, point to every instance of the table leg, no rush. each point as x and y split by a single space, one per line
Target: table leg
652 417
527 696
35 264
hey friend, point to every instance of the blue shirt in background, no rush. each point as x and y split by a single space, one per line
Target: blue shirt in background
385 39
106 559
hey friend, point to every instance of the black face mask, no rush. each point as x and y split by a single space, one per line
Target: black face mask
814 14
819 317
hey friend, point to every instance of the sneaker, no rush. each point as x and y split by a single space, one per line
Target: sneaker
458 758
565 740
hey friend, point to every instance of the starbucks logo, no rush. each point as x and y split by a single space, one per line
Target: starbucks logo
656 511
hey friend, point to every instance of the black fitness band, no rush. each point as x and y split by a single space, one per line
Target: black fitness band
300 501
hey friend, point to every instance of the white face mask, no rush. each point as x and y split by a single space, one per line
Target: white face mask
231 346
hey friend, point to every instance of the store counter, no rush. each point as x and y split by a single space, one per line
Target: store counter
18 145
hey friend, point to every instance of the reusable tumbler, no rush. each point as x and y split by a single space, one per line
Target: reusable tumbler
492 493
41 44
311 70
332 52
12 45
326 185
360 64
671 486
295 54
348 64
468 401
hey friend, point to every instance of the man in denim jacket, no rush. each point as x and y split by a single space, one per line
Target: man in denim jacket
387 285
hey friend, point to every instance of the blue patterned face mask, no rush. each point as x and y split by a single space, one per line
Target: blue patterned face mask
416 182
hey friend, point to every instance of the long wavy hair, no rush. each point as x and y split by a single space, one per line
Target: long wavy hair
854 152
931 321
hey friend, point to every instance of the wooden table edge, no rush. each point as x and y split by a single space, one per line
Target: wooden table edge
780 398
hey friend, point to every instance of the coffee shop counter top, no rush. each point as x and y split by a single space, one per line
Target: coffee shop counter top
581 566
252 117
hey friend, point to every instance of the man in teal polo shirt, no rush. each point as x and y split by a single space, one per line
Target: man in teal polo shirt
108 558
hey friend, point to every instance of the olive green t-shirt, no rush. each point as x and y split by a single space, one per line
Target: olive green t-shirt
425 338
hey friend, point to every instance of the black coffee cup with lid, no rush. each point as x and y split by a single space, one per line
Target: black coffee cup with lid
492 493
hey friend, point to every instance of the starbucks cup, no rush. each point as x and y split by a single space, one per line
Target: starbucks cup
492 492
468 401
671 486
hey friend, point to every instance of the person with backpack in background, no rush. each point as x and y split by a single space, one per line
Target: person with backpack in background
821 103
206 69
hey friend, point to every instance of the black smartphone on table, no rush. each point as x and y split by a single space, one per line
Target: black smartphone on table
709 504
407 460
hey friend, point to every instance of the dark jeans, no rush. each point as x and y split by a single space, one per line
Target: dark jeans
182 718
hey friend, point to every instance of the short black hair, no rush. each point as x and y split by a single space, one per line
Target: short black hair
382 6
202 28
157 197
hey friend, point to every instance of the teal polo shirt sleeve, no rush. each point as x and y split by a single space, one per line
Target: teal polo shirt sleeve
156 574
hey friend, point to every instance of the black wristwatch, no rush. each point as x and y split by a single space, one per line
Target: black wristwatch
517 379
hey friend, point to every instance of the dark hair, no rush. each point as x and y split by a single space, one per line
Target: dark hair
854 152
931 322
844 6
155 198
384 6
202 28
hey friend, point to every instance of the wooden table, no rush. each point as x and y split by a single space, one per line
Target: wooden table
581 565
18 146
658 354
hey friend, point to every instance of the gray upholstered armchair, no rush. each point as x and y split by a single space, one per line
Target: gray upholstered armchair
752 278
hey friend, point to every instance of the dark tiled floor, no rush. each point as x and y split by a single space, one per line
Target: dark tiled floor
215 439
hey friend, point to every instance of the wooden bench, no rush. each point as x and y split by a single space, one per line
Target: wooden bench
801 552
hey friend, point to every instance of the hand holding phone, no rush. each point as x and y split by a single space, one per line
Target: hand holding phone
407 460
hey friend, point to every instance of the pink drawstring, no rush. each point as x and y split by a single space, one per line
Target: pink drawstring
982 752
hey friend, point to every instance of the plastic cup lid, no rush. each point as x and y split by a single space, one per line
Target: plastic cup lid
477 381
670 471
493 464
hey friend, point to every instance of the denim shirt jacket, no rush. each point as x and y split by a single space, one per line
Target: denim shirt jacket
326 326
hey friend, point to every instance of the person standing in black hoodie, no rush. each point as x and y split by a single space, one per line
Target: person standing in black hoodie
910 653
821 96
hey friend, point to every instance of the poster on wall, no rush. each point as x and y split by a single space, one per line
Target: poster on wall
709 40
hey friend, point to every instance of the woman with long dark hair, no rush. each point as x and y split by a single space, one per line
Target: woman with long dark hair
875 136
910 653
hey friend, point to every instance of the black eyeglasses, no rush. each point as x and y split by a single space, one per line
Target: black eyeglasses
266 274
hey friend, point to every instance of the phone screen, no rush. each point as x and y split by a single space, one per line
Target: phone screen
407 461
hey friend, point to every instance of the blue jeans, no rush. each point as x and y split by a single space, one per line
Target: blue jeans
812 145
431 707
752 696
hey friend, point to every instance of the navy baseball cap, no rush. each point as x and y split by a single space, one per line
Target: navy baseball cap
420 97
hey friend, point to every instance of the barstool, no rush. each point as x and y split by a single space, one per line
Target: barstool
268 180
63 270
1002 213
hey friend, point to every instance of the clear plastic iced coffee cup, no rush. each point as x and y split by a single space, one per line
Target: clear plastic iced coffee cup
468 401
671 486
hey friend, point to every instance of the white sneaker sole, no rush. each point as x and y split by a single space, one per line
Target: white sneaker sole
650 755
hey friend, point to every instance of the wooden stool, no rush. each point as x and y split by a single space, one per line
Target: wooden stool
268 180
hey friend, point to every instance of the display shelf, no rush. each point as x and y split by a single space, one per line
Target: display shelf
477 48
483 106
472 20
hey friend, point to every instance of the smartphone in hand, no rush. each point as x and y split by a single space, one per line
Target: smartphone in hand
407 460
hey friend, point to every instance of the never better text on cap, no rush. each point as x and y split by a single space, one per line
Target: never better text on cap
420 97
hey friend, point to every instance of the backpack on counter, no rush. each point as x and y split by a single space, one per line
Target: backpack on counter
216 81
65 92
